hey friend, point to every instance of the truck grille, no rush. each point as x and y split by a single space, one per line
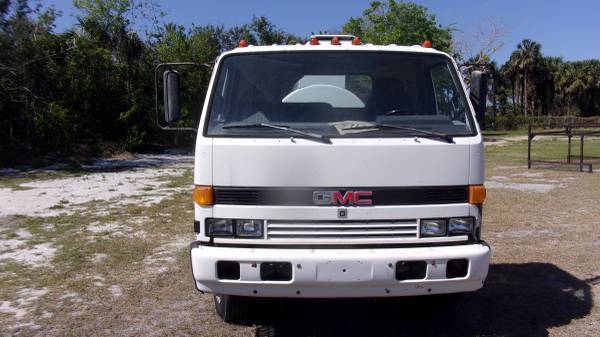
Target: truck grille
402 229
303 196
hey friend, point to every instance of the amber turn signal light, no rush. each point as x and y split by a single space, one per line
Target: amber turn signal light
476 194
203 195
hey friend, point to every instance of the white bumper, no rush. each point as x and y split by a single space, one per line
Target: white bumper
327 273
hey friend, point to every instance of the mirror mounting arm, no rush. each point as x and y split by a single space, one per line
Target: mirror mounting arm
157 70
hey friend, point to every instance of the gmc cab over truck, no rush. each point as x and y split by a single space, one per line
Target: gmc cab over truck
336 169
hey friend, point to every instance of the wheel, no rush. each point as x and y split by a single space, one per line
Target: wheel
265 331
231 309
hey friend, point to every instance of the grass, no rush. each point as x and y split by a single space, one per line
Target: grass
544 245
515 152
508 133
15 181
71 269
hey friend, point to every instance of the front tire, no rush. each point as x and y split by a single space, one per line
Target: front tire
231 309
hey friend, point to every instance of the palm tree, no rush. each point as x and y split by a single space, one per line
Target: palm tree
526 56
509 71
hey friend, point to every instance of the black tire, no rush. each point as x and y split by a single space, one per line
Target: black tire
231 309
264 331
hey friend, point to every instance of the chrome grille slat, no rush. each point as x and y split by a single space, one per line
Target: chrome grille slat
353 230
301 226
364 232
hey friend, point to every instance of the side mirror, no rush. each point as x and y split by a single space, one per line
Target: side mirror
171 96
478 95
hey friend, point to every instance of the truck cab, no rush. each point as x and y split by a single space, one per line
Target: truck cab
337 169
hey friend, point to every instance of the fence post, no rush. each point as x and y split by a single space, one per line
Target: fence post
569 150
529 146
581 154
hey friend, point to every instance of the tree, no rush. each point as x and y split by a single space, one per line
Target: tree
27 70
526 57
266 33
484 39
579 84
402 23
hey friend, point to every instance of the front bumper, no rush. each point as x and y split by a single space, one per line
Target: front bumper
330 273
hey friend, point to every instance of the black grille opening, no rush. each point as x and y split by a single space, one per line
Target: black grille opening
303 196
411 270
457 268
275 271
228 270
236 196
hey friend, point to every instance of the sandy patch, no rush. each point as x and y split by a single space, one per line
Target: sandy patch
141 184
527 181
72 297
520 233
526 187
22 235
111 228
528 174
116 290
98 280
33 256
98 257
163 256
22 306
139 220
9 244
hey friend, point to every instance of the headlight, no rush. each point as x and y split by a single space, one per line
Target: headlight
460 226
249 228
219 227
433 227
234 228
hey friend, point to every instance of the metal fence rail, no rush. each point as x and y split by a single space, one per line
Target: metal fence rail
580 130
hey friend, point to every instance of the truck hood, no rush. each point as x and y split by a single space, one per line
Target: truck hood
344 163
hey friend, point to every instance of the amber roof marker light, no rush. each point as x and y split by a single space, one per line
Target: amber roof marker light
427 44
314 41
356 41
335 41
243 44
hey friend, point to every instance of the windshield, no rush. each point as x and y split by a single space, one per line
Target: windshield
338 94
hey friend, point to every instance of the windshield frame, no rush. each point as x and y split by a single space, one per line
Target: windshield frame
281 134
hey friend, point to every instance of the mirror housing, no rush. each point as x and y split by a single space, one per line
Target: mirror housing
478 95
171 96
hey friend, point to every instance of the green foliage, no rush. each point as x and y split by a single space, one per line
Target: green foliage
55 128
402 23
93 84
532 84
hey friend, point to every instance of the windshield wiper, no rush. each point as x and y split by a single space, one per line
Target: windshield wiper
308 135
424 133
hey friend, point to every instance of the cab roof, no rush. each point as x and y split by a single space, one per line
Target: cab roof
325 44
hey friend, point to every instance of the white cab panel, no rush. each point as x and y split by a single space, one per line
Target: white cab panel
347 162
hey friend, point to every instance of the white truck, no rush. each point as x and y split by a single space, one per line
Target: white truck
336 169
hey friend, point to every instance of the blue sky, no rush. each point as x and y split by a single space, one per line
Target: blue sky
570 29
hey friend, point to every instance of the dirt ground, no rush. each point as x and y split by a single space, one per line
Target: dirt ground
102 251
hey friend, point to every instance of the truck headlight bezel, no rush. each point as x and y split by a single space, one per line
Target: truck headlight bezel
433 228
249 228
461 226
215 227
234 228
